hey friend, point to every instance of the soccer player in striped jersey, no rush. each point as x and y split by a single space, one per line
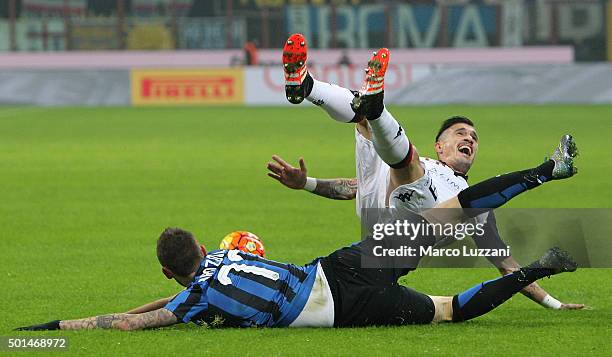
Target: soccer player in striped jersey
233 288
230 288
422 182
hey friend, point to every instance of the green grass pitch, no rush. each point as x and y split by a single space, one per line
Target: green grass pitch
86 192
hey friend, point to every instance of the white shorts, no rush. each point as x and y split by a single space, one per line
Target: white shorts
416 196
319 308
372 175
373 183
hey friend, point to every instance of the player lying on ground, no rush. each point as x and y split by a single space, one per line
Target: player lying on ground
232 288
427 182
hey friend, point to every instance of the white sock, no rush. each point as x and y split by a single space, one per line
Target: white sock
335 100
390 141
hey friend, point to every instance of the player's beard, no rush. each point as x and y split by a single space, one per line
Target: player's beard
460 163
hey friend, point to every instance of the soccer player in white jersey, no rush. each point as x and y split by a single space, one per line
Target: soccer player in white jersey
413 182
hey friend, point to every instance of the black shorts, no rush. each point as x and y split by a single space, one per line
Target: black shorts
370 296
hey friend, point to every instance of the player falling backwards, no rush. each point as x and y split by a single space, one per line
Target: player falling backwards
233 288
413 182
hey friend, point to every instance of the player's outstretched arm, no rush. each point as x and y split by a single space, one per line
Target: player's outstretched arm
157 304
125 322
297 179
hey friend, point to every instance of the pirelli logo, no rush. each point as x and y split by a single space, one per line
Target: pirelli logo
187 87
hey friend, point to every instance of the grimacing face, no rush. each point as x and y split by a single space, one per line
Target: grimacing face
457 147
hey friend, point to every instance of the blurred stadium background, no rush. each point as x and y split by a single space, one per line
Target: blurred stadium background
140 52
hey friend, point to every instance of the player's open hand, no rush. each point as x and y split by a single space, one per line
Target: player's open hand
286 174
572 306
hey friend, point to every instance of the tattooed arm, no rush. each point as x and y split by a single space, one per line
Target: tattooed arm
125 322
297 179
336 189
157 304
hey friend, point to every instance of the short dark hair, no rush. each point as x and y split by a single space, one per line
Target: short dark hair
178 251
456 119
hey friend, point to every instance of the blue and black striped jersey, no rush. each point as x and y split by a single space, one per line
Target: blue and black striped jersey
232 288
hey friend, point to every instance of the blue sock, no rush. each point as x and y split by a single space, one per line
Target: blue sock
498 190
486 296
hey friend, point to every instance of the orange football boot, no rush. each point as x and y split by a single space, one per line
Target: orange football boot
295 53
375 72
